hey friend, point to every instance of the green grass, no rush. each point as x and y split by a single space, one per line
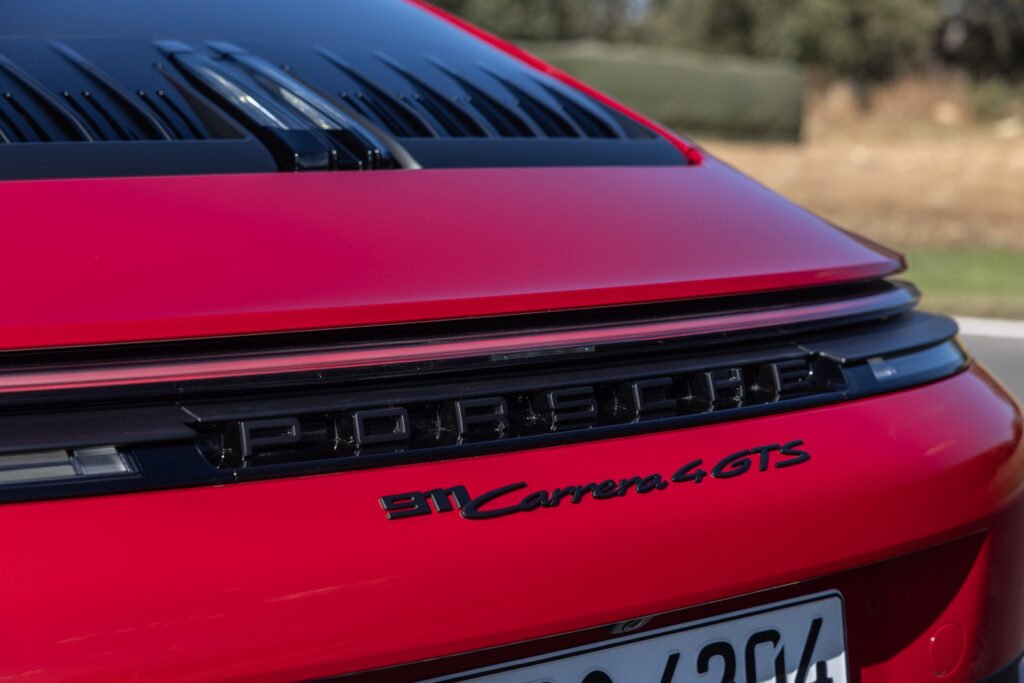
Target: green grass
979 281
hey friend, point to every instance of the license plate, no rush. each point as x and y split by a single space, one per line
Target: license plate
799 641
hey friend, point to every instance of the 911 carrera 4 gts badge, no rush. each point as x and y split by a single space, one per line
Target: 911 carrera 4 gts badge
512 498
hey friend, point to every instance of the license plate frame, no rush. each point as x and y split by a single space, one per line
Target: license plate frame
769 632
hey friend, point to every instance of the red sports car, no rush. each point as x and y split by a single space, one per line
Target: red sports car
344 340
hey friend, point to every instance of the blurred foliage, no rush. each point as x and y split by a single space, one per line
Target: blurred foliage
862 41
986 37
993 98
867 40
721 96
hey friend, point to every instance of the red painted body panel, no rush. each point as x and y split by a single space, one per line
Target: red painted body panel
134 259
912 505
305 577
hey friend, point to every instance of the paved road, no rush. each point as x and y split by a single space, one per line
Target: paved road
1004 357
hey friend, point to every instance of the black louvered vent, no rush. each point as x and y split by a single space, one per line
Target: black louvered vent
94 108
477 103
82 108
198 87
30 113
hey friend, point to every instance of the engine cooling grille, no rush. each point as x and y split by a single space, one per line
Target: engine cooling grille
477 102
252 96
95 109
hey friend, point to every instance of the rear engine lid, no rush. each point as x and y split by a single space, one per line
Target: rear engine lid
102 261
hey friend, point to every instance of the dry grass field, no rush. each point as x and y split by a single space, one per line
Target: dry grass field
920 173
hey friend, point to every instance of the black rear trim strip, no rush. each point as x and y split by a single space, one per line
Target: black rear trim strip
177 442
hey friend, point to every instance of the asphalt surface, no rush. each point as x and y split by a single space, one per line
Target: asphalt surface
1003 356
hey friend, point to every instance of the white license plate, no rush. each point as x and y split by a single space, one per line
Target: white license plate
798 641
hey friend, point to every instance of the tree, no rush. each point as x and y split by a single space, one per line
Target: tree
867 40
986 37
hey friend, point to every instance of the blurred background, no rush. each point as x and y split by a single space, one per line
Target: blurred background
902 120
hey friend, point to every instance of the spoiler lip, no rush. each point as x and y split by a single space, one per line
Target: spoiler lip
880 304
188 257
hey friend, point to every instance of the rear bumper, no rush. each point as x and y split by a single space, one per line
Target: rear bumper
306 577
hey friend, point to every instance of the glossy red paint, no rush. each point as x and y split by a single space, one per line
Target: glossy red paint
134 259
689 150
305 577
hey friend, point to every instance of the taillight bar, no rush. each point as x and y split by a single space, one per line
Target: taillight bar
877 305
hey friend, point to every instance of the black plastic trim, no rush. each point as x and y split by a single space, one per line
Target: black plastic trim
526 152
41 160
163 434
